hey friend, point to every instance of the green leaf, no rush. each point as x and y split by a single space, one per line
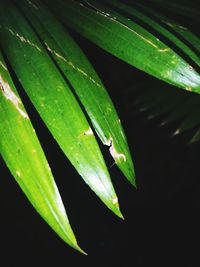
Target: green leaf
127 40
24 157
158 27
55 102
85 82
181 31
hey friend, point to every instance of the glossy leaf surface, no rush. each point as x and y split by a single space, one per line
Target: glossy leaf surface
55 102
146 17
24 157
85 82
127 40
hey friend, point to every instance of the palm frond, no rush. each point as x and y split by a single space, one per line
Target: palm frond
84 81
176 35
38 51
123 37
24 156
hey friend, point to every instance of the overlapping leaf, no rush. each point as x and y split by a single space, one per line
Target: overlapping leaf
175 107
158 28
55 102
124 38
186 34
23 155
85 82
53 71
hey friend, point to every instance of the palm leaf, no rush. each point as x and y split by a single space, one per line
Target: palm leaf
63 86
85 82
127 40
175 28
55 103
23 155
146 17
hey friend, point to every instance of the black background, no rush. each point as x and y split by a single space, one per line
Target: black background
161 226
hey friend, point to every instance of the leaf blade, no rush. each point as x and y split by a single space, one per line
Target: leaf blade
85 82
24 157
148 17
128 41
55 103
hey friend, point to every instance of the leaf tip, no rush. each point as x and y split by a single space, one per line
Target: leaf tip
129 173
116 208
119 214
79 249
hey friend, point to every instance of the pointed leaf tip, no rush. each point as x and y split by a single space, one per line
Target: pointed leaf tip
117 210
17 144
79 249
